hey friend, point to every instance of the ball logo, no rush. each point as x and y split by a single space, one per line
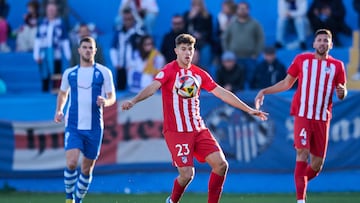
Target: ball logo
241 136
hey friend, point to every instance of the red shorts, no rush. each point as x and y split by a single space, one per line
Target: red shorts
312 135
184 146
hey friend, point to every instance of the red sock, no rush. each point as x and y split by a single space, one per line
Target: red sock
311 173
177 191
300 179
216 183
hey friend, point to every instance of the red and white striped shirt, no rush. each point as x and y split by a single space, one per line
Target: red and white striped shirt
317 80
180 114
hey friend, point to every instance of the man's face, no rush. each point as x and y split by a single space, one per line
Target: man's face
185 53
51 11
177 24
322 44
87 51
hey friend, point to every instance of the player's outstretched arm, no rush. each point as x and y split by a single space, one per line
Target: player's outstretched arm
143 94
281 86
234 101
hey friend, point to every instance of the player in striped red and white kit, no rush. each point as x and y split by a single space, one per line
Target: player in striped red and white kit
318 75
184 130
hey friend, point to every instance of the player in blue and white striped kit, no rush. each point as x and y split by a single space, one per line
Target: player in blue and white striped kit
90 88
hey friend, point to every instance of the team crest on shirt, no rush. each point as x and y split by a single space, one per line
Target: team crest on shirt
241 136
184 159
73 74
97 73
327 69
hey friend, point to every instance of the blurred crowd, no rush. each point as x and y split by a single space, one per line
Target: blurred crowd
230 44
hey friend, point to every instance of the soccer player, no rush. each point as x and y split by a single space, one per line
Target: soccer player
318 74
91 88
184 130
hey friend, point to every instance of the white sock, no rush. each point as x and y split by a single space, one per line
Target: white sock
301 201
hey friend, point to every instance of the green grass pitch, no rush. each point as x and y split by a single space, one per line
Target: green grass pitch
14 197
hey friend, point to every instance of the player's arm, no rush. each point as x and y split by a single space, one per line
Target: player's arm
108 101
142 95
341 91
233 100
61 100
281 86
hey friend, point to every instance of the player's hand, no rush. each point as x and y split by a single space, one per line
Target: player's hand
340 91
262 115
127 105
100 101
58 117
259 99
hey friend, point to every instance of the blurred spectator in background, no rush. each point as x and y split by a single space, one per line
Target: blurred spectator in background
230 75
50 43
144 11
291 12
168 41
4 26
63 10
146 63
268 71
27 32
329 14
125 42
224 18
198 22
2 86
84 30
356 6
245 37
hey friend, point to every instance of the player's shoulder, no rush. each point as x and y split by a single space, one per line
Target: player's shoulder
334 60
305 55
70 69
102 68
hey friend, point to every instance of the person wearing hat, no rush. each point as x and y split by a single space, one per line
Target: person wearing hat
268 71
230 75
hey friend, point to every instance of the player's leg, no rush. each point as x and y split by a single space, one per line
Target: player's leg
181 147
302 136
85 178
217 177
91 151
70 173
186 174
208 150
318 148
73 145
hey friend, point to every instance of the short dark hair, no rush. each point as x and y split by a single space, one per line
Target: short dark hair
87 39
185 39
323 31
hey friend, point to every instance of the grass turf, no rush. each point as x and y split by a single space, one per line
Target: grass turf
15 197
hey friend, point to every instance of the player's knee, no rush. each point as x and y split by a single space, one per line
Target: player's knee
302 154
221 168
71 164
186 175
317 164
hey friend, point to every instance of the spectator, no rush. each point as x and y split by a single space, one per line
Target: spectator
244 37
4 26
224 18
27 32
144 11
63 10
291 11
269 71
50 42
230 75
198 22
168 41
84 31
145 65
329 14
124 43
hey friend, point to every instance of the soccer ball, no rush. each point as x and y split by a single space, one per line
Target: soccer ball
187 86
